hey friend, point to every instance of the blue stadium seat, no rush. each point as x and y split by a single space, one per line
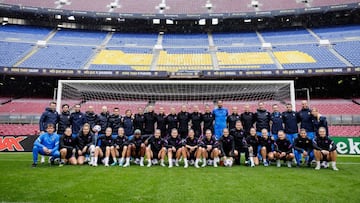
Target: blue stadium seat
21 33
61 57
185 40
11 52
339 33
293 36
346 49
323 57
121 39
80 37
228 39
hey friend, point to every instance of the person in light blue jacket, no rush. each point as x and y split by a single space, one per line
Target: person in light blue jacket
46 144
220 113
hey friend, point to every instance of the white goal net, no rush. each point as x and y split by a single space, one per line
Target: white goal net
127 94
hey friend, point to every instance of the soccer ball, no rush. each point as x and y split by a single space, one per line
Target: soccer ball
154 161
228 162
96 128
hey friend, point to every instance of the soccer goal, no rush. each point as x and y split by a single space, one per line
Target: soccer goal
130 93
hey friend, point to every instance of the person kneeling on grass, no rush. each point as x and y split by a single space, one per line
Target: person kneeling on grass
303 147
324 149
104 147
67 148
190 150
156 149
252 144
46 144
209 149
174 147
283 149
136 149
227 146
85 144
267 143
120 147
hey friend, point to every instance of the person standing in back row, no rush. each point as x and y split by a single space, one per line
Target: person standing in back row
262 119
64 119
247 119
208 119
161 122
139 120
77 120
290 123
305 119
220 113
184 119
196 119
149 122
50 116
233 118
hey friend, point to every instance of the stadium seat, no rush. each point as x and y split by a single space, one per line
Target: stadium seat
61 57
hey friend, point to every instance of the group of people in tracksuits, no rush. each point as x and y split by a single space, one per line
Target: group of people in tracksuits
210 138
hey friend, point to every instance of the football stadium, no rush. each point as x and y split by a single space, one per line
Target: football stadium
180 101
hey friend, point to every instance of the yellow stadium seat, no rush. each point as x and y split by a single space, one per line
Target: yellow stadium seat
288 57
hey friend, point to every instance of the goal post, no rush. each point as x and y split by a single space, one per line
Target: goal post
152 91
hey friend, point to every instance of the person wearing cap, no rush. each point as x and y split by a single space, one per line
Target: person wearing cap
136 149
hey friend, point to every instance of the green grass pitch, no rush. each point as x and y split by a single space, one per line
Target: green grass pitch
21 183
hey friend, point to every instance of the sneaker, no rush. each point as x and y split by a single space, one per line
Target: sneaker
162 164
278 163
141 163
266 164
215 164
34 165
335 169
326 164
52 161
106 165
196 166
42 161
191 162
120 164
317 167
61 164
176 163
186 166
252 165
126 165
114 164
289 164
203 164
95 164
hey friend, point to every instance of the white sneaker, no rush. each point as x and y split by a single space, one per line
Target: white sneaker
215 164
186 164
176 163
203 164
289 164
141 163
318 167
334 168
106 165
196 165
278 163
42 159
95 164
162 164
252 165
148 165
126 165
